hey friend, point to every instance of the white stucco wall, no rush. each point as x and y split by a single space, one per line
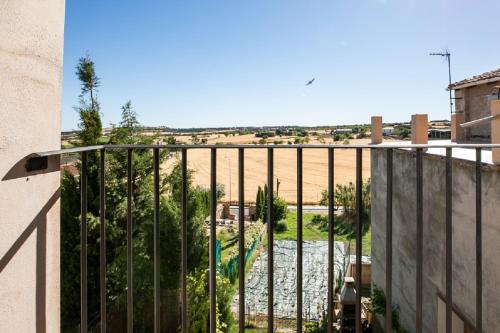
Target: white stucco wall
31 54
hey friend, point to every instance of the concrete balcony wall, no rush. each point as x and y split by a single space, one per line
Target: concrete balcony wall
404 236
31 55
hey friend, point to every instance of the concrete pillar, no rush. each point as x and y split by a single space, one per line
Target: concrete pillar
376 129
495 130
419 129
31 55
457 132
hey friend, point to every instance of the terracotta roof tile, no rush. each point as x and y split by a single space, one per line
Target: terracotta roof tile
495 74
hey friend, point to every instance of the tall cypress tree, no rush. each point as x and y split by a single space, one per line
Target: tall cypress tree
258 203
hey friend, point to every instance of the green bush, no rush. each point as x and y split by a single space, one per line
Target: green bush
318 219
280 207
281 226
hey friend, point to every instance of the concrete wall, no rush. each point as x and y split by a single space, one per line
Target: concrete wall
31 53
474 103
404 236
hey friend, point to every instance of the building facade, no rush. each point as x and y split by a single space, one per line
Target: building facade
472 102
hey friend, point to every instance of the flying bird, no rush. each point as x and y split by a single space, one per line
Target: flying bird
310 82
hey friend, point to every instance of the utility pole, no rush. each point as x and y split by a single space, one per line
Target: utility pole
229 173
448 56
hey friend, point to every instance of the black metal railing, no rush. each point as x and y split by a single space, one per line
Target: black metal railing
420 150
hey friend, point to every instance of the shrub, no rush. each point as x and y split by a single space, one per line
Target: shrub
379 302
280 207
318 219
281 226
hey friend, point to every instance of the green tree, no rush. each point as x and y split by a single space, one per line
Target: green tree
280 207
345 197
170 140
220 190
199 315
127 131
259 204
90 120
129 117
116 219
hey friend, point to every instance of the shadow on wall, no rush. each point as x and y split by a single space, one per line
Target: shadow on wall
19 169
39 223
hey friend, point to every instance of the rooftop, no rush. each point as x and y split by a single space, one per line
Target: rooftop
491 76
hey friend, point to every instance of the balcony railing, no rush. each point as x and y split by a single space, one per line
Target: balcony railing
37 159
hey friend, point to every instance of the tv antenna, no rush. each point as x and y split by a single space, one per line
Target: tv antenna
447 55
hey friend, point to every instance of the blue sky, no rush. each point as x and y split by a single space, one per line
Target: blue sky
242 63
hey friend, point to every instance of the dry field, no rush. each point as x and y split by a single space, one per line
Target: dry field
285 168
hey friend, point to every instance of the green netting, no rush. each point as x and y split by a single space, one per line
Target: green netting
218 251
230 268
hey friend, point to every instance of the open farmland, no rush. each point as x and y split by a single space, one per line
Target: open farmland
315 162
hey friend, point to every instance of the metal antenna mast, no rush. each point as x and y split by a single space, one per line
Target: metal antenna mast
448 56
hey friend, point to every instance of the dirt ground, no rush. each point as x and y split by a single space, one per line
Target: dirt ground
315 174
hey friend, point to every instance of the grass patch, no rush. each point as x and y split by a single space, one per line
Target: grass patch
316 231
67 145
229 243
309 231
103 140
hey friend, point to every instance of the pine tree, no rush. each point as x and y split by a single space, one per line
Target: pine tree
129 117
89 108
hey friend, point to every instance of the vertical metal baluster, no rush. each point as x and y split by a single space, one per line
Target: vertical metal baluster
130 252
420 246
184 241
299 240
156 235
213 212
359 226
270 242
102 252
388 276
448 241
479 241
241 238
83 245
331 254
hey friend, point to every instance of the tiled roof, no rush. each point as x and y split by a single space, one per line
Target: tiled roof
477 79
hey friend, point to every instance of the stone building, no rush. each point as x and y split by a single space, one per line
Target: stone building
472 99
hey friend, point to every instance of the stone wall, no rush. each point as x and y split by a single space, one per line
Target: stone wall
404 236
474 102
31 55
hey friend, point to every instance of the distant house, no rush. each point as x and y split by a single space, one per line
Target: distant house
472 98
386 131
